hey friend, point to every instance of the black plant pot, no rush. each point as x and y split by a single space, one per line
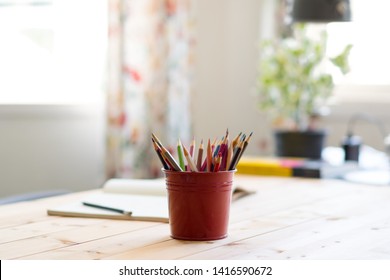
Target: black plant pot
303 144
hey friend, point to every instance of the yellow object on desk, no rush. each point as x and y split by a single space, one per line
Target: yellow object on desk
267 166
294 167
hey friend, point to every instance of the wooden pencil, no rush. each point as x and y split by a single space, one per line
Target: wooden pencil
209 156
166 155
204 165
245 144
158 151
236 155
223 151
170 159
190 162
229 155
217 164
216 150
180 155
200 155
235 140
192 148
156 140
213 145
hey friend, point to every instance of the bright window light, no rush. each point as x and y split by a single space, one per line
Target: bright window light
52 52
370 56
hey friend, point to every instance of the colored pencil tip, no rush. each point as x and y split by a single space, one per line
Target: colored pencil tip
249 137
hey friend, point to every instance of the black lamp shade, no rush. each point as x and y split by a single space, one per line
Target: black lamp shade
321 10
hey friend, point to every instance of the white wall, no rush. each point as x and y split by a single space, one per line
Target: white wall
226 68
337 121
50 147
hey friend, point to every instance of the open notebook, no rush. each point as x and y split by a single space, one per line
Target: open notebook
126 199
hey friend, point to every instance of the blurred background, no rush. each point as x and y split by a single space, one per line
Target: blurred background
84 83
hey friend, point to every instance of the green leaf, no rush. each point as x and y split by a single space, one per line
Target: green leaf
341 60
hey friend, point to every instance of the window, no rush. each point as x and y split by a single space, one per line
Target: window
369 57
52 51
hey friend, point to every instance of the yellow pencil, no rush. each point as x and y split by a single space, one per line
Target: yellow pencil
235 140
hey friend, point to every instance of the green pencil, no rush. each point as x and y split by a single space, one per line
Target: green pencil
180 155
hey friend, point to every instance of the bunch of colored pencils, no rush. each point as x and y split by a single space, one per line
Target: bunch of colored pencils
220 155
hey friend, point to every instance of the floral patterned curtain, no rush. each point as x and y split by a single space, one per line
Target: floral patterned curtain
150 56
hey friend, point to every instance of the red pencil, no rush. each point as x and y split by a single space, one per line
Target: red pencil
217 164
200 155
158 151
192 148
209 156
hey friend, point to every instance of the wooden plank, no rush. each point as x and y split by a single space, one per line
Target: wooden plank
65 238
342 233
307 241
29 212
271 199
371 242
107 246
38 228
179 249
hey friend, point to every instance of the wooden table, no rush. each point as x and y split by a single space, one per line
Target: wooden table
287 218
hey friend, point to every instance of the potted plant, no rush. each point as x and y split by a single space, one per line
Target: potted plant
294 83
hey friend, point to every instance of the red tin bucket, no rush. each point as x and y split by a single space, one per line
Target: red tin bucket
199 204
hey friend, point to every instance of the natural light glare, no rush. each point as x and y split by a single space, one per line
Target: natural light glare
53 53
370 56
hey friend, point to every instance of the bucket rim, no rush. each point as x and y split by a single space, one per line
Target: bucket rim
196 172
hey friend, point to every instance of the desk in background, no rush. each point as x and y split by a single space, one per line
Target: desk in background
287 218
